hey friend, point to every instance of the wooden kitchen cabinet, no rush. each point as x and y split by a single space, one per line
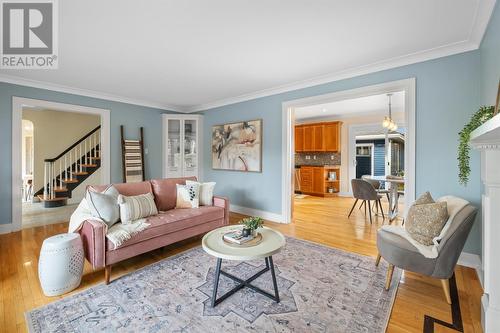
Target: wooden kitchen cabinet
299 138
318 137
318 182
331 136
308 138
314 180
318 144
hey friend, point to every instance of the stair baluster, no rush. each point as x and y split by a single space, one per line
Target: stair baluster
85 150
45 193
80 155
66 167
60 174
53 178
95 141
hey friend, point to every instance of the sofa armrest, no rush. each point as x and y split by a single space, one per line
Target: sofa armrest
224 203
93 235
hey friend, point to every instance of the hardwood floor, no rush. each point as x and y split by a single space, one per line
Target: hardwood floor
315 219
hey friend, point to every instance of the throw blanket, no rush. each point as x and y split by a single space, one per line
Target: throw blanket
454 205
117 234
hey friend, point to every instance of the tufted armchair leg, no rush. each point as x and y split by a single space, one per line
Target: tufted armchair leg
446 288
388 278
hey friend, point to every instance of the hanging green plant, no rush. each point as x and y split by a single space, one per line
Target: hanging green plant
480 117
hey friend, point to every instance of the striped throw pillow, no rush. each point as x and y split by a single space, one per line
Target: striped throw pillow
136 207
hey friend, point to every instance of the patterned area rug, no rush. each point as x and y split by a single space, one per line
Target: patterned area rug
321 289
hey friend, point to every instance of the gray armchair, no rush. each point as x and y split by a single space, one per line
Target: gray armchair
398 252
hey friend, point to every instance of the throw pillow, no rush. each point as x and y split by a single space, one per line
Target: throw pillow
425 198
426 219
103 205
206 192
136 207
187 196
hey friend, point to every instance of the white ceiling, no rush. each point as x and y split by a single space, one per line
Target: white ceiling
194 54
376 104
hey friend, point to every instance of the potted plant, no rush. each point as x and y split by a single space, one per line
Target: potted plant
482 115
251 224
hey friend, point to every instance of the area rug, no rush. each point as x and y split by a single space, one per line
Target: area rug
321 290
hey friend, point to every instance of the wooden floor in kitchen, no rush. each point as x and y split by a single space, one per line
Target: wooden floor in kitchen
315 219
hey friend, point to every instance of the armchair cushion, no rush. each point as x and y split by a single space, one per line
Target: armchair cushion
401 253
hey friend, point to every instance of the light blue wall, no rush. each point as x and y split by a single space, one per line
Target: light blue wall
447 94
132 116
490 59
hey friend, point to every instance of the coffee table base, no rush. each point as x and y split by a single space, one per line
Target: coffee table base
244 283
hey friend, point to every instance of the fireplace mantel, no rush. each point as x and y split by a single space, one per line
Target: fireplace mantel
486 138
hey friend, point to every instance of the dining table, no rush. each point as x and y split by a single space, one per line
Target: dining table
393 182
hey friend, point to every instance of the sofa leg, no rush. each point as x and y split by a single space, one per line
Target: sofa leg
446 288
107 274
388 278
378 259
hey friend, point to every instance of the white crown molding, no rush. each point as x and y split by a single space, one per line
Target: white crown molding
88 93
482 17
443 51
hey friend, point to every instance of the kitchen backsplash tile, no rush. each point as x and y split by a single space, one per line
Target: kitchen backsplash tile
317 159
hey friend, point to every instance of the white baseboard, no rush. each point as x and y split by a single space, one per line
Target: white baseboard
273 217
344 194
5 228
473 261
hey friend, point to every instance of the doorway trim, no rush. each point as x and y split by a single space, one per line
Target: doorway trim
18 103
288 122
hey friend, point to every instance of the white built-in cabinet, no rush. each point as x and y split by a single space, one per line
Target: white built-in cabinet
181 145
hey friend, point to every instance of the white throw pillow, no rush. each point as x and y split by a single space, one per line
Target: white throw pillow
187 196
136 207
103 205
206 192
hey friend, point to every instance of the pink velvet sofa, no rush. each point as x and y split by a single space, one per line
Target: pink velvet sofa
169 226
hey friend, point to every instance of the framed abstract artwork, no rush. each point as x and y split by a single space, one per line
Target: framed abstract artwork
237 146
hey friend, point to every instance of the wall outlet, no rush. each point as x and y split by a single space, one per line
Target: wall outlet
332 157
146 151
308 157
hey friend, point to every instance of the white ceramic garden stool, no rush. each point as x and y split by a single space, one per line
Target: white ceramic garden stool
60 266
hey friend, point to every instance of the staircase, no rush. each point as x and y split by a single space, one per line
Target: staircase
65 172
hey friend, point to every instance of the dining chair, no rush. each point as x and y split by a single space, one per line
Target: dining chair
363 190
377 185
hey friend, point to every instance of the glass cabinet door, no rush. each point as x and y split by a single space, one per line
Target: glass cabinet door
174 148
190 148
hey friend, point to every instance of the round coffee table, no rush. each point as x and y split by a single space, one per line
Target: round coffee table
272 242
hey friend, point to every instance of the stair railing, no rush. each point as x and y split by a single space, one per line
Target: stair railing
67 165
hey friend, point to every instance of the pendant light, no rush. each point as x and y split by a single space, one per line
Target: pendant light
388 122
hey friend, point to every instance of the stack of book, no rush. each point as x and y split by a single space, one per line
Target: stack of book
236 237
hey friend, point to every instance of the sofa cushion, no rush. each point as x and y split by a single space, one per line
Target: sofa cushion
172 221
128 189
165 191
